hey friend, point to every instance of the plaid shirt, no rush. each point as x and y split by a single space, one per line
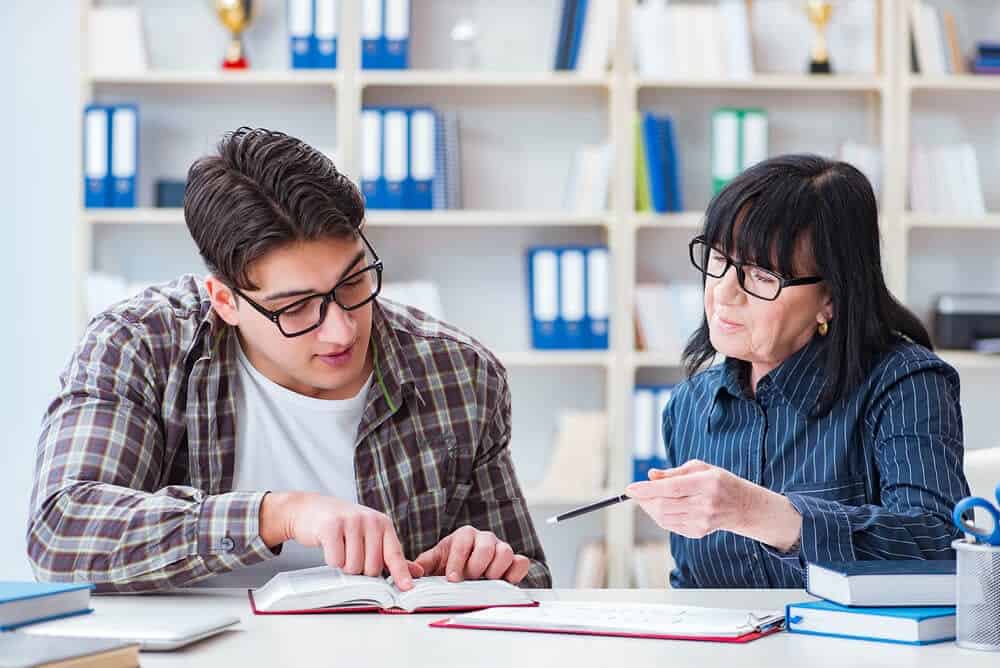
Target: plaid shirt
134 468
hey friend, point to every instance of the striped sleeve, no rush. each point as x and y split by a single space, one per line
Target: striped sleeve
98 511
916 427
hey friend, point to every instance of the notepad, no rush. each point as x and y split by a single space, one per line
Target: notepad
323 589
630 620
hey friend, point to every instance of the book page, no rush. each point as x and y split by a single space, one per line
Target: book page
438 592
321 587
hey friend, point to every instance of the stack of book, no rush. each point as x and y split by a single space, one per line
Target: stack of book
657 181
26 603
739 141
944 179
110 155
385 34
935 46
987 58
586 35
902 601
693 41
410 158
312 33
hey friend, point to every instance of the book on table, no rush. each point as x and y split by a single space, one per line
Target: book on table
906 625
24 603
18 650
329 590
883 582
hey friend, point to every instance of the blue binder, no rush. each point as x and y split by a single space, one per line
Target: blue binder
395 156
579 20
573 326
396 30
439 189
325 34
124 154
96 156
543 297
300 33
598 302
423 158
655 155
565 34
372 179
675 200
372 35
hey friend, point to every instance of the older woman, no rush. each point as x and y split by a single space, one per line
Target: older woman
831 432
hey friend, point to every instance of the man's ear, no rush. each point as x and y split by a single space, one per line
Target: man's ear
223 300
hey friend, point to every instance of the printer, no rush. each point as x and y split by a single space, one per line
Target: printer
968 322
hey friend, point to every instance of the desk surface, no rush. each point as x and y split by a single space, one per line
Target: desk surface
406 640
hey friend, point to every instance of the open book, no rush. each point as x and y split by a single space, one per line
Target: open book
324 589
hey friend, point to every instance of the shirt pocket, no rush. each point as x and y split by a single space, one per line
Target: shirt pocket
430 516
849 491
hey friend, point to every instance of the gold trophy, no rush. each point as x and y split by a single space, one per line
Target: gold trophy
819 15
236 15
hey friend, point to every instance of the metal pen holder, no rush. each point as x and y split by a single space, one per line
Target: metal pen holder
977 595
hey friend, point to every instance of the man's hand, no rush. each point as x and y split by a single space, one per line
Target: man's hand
697 499
354 538
468 554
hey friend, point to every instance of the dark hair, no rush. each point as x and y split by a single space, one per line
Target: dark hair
263 190
765 212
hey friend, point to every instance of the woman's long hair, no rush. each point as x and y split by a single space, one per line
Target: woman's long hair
766 211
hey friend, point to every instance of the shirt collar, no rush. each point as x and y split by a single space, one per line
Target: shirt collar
799 378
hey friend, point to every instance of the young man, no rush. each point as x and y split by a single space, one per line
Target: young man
277 415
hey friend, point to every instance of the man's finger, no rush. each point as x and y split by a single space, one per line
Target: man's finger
462 542
354 543
333 550
392 553
430 560
416 570
518 569
373 550
483 550
503 557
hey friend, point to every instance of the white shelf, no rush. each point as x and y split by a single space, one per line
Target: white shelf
956 82
473 218
785 82
134 216
219 78
556 358
969 359
379 218
942 221
480 79
687 220
656 360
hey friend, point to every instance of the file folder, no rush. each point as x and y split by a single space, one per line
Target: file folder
753 138
300 33
124 155
395 160
372 37
644 423
663 395
543 291
598 307
725 147
96 156
325 48
572 327
397 35
372 182
423 159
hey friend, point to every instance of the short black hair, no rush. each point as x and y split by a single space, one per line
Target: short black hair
262 190
765 212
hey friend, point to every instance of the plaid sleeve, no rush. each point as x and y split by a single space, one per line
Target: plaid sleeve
98 513
495 502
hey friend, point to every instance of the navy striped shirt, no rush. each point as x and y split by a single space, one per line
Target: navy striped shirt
876 478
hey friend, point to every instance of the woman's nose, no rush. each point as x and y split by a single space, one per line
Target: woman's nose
727 289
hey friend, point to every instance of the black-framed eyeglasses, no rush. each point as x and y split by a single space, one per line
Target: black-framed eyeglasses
306 314
757 281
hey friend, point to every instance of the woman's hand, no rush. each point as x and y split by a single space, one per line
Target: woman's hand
697 499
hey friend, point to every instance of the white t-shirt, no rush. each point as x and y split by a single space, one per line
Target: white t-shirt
287 441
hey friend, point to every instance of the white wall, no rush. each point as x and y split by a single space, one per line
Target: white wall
36 323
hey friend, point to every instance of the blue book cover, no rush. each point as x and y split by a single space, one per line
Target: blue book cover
325 31
565 34
372 35
96 156
396 34
543 297
301 38
656 161
926 625
890 567
914 582
124 155
20 602
675 202
573 325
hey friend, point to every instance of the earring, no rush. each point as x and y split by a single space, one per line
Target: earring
823 328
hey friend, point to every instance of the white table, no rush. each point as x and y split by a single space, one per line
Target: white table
406 640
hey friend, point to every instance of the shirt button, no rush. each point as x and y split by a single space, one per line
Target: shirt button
227 544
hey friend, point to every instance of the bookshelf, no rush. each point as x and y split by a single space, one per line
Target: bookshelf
477 254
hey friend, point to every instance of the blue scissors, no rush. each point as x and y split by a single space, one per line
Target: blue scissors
979 535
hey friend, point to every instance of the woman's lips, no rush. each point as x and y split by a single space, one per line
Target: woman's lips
727 325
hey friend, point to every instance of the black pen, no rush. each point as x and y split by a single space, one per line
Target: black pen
583 510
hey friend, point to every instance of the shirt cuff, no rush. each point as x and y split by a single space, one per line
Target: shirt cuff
826 529
228 526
